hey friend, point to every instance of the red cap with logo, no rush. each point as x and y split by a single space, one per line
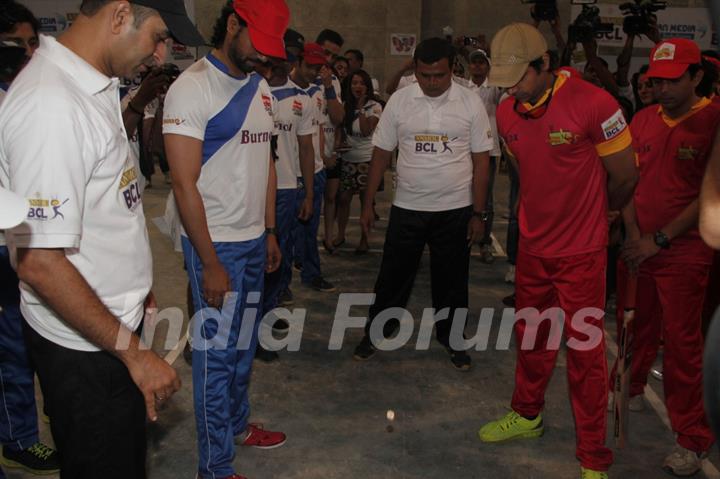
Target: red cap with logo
313 54
671 58
267 21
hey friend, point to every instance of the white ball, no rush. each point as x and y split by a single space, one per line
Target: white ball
390 415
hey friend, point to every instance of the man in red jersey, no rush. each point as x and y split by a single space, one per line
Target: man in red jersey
572 148
664 248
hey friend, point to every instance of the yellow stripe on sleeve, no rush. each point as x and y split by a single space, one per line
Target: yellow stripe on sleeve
615 145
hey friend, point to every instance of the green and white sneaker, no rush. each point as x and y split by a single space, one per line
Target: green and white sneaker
512 426
590 474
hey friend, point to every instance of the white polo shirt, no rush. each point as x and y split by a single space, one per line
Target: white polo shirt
317 97
295 115
64 147
435 137
361 145
233 117
490 96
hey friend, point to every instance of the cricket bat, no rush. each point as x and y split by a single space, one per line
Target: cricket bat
621 387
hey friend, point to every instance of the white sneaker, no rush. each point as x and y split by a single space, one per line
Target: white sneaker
636 403
510 275
683 462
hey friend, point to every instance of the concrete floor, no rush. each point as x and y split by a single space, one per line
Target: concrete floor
334 408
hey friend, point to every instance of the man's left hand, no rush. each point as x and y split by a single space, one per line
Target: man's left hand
273 254
326 76
476 229
637 251
306 210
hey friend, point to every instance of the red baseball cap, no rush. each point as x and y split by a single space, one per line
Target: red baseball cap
267 21
671 58
314 54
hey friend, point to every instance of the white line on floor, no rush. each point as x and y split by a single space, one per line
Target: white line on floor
658 405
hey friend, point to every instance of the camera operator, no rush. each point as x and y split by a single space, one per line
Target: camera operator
140 111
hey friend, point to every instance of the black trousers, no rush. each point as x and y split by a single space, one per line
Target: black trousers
445 232
97 414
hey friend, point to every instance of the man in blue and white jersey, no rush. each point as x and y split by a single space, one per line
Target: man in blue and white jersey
295 122
218 126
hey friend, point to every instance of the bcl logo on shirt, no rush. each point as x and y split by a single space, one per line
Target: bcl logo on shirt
614 125
432 144
129 188
41 209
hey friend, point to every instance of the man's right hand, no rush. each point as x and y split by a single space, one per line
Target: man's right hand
367 218
155 378
154 84
216 283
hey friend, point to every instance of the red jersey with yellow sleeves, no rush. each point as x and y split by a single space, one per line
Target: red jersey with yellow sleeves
673 155
558 143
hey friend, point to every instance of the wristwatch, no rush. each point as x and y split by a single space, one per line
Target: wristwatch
271 231
662 240
483 215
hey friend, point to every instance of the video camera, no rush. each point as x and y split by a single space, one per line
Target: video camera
640 14
587 25
12 59
171 70
543 10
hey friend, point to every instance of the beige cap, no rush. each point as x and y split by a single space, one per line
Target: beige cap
513 48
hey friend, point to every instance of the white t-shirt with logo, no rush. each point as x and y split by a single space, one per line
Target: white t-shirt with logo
63 146
234 118
490 96
317 98
361 145
295 115
435 138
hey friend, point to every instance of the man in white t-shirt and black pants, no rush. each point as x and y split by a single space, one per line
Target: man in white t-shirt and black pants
218 124
479 66
83 255
443 135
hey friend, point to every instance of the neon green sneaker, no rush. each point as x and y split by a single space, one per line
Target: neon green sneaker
590 474
512 426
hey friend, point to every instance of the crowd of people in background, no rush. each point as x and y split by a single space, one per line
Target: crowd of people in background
605 172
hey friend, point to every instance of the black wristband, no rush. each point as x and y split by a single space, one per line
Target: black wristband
271 231
483 215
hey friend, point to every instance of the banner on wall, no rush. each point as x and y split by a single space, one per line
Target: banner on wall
402 43
56 16
673 22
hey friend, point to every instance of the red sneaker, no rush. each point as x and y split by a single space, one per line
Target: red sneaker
236 476
262 439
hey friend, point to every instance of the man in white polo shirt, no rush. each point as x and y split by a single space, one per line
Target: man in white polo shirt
19 425
82 255
218 126
443 135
